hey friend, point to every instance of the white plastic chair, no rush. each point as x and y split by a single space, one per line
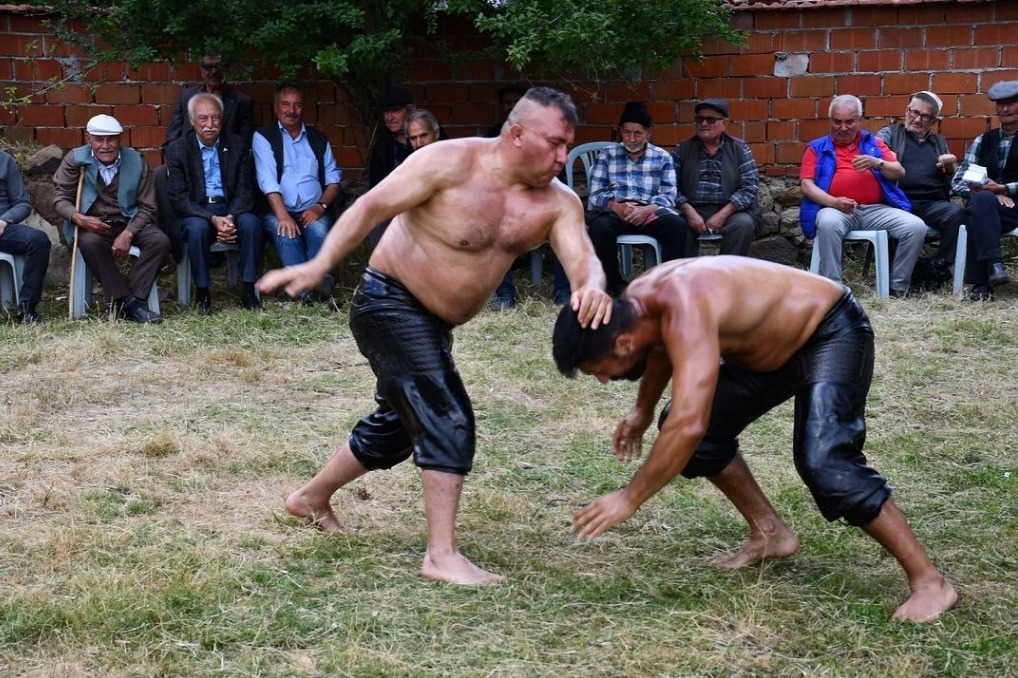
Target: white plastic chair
11 273
882 257
83 287
184 279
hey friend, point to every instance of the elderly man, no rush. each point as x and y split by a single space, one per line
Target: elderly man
991 204
21 239
847 180
211 186
632 191
929 166
238 108
298 175
422 129
736 337
116 211
461 212
718 182
391 146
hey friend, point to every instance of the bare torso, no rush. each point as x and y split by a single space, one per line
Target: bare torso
755 314
452 250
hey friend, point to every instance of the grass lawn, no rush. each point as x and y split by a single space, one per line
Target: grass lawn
143 470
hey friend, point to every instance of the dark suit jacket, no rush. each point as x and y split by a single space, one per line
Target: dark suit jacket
187 176
238 115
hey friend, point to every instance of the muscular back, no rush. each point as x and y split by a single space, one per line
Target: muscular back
452 249
753 313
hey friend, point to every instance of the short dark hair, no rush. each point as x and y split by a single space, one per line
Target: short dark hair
548 97
286 87
572 345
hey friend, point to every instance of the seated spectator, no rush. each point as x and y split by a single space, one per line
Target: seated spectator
300 180
117 211
391 146
22 240
991 204
632 191
847 184
422 128
238 108
211 186
718 182
929 167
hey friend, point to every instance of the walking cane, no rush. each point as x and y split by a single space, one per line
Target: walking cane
74 248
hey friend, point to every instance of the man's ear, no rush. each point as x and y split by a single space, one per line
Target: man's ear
516 133
624 344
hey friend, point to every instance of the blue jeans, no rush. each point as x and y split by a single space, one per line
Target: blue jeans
304 246
199 235
31 243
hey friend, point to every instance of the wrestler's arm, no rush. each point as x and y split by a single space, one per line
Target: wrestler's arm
692 342
569 241
627 443
412 183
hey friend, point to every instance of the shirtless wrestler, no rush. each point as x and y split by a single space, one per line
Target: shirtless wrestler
462 211
737 337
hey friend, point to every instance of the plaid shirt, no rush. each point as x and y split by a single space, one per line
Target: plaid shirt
708 186
972 158
651 179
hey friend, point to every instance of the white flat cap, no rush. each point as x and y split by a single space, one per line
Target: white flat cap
104 126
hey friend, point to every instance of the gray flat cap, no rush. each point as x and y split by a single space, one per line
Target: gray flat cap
1007 89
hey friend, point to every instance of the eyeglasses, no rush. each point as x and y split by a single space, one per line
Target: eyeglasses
705 120
925 117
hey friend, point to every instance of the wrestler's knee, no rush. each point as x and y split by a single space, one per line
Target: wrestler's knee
379 441
449 450
843 486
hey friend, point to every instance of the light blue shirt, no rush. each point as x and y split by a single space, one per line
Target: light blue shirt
299 185
210 163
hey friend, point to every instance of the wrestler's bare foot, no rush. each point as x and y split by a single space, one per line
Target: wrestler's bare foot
779 542
928 600
321 516
453 568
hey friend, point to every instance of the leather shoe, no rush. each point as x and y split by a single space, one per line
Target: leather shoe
27 314
981 293
997 274
204 306
250 303
140 314
899 294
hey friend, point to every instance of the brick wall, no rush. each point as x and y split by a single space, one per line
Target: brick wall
778 85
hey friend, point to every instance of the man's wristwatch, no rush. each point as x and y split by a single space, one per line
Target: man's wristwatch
880 165
323 206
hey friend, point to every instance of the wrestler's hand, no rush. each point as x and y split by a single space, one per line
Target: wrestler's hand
601 515
593 306
627 443
293 279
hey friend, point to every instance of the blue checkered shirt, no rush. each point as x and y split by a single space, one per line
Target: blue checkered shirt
649 180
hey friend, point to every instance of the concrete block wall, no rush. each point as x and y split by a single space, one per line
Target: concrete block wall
778 85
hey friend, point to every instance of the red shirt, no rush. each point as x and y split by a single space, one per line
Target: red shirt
862 187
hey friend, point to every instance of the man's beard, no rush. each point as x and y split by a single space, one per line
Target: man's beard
636 372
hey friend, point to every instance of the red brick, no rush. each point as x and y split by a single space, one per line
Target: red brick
853 38
452 93
824 18
709 67
796 109
965 128
754 131
6 116
949 36
906 36
622 92
782 131
752 64
465 114
742 21
144 137
996 33
880 17
37 70
134 116
153 157
102 73
667 136
927 60
976 104
157 72
70 94
63 137
969 13
603 114
831 62
674 90
908 83
712 45
78 116
749 109
802 41
762 153
18 45
759 43
1006 11
157 94
990 79
777 21
879 60
789 152
921 15
118 94
884 106
41 116
814 129
765 88
720 88
947 83
23 23
6 69
19 134
859 85
978 58
819 86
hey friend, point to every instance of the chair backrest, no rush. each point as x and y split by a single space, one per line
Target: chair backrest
588 153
